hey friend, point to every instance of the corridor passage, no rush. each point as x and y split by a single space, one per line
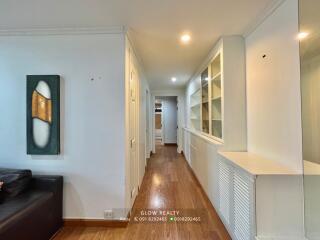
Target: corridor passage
168 185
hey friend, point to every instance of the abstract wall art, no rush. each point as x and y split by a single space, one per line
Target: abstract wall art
43 114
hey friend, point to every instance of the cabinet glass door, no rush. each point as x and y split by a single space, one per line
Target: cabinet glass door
195 116
205 100
216 98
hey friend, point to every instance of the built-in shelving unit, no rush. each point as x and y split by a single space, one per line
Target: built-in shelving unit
221 82
249 192
207 115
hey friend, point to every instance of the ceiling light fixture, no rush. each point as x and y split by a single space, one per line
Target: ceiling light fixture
303 35
185 38
173 79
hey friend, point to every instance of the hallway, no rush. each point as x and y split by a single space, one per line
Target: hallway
168 184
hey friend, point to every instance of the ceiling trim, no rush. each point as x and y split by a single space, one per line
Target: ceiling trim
63 31
262 17
128 32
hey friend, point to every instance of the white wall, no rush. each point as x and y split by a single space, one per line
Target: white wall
310 72
274 114
169 113
92 115
273 88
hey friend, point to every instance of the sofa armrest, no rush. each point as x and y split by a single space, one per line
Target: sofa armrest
50 183
53 184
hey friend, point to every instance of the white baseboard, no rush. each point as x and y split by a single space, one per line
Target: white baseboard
279 238
313 236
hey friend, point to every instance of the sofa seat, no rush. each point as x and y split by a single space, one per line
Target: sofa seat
36 213
23 204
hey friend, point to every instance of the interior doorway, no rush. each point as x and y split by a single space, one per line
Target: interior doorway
166 120
158 122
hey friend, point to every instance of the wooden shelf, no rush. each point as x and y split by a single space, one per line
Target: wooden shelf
205 84
216 77
196 105
311 168
216 98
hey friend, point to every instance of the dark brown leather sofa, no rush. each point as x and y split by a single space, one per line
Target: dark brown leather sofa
35 214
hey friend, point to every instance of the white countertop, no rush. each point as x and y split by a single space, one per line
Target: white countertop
311 168
256 165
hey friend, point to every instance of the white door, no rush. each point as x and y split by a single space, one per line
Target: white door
134 168
170 120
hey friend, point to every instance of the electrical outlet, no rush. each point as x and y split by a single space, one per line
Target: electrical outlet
108 214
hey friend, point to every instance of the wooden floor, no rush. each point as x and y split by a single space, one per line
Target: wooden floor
168 184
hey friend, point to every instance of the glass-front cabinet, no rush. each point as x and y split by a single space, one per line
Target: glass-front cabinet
206 103
216 98
205 100
195 111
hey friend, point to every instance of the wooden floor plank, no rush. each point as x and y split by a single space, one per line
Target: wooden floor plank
168 184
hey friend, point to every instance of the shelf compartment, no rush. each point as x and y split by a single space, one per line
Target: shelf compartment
216 110
216 66
217 129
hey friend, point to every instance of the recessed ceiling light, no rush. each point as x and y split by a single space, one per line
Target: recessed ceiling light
303 35
173 79
185 38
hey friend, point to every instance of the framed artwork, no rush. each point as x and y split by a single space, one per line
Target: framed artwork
43 114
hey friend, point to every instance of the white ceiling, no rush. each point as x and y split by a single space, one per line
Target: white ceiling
156 26
310 23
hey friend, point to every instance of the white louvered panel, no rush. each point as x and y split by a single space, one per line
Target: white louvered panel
225 181
242 207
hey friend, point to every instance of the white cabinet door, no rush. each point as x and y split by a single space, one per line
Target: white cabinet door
225 190
243 206
236 201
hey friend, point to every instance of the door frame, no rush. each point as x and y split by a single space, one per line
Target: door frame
180 114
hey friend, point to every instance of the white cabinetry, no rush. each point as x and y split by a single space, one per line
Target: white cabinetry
236 201
253 197
257 199
217 103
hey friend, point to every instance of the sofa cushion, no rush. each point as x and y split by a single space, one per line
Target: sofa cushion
21 205
13 182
